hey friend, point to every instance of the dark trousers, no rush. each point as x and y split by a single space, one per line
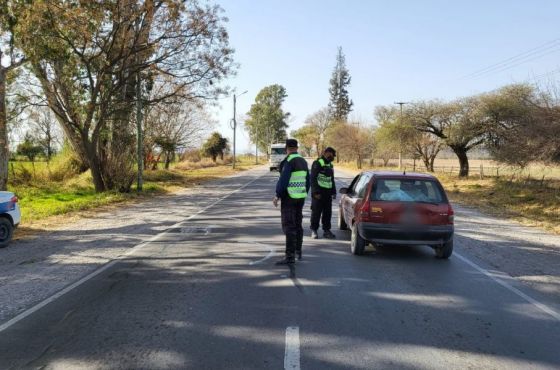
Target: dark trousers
292 219
321 207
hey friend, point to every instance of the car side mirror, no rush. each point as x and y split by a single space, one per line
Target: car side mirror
343 190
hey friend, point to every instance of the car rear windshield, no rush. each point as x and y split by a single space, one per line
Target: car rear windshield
407 190
278 151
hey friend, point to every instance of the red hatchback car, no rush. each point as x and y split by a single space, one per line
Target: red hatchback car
397 208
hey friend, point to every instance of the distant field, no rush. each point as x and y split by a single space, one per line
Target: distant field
489 168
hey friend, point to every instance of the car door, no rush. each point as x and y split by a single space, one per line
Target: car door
347 200
356 196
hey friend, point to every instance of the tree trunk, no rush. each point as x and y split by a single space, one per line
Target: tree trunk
4 148
167 160
432 159
461 153
95 166
426 161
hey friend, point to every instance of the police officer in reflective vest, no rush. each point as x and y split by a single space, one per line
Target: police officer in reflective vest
291 191
323 191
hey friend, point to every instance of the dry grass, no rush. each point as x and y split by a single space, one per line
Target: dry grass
529 202
533 202
47 204
489 168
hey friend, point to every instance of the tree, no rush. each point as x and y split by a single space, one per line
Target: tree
460 124
398 135
320 121
90 57
10 59
340 104
395 129
215 146
308 138
353 139
29 148
524 124
45 130
174 126
267 121
426 147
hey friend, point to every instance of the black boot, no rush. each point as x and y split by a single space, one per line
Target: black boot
291 245
328 234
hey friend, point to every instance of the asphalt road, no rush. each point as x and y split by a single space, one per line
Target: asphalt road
205 294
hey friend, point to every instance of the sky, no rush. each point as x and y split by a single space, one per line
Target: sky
395 51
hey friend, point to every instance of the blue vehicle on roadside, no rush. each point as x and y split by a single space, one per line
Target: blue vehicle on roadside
10 217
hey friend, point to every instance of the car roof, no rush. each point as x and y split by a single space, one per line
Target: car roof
401 175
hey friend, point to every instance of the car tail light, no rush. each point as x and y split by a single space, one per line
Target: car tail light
450 215
14 199
365 212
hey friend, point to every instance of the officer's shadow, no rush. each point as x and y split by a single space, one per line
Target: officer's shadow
292 271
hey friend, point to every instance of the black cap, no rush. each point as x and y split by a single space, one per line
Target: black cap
330 150
291 143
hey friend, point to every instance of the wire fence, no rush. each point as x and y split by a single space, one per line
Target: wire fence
478 168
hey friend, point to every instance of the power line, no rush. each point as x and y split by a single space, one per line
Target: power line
546 74
516 64
526 56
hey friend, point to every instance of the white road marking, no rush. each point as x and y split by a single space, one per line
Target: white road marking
512 289
111 263
291 355
271 253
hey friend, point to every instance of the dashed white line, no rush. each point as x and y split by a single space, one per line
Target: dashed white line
512 289
292 355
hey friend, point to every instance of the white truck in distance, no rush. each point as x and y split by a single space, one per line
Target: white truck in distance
277 154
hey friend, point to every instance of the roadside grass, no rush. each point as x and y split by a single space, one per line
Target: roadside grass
41 200
532 202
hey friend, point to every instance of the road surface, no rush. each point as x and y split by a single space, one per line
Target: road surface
204 293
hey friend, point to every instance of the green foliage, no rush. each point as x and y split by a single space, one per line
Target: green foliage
524 124
267 121
340 104
309 138
215 146
87 55
29 148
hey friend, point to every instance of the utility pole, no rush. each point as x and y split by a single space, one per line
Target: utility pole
234 123
401 103
139 138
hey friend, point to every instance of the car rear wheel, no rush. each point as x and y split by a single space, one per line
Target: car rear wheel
341 223
357 243
6 232
445 250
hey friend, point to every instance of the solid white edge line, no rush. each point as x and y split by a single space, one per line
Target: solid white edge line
512 289
111 263
292 354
